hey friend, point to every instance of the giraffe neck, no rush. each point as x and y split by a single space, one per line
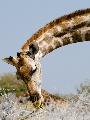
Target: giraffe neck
68 29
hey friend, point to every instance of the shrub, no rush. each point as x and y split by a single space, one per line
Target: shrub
9 83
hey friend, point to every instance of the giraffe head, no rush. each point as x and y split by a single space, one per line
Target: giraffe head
24 61
25 65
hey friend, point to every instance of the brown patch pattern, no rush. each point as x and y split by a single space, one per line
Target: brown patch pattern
76 36
50 48
87 36
54 23
71 29
66 40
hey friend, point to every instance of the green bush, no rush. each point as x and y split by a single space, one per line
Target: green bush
9 83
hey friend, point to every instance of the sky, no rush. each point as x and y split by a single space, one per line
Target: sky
62 70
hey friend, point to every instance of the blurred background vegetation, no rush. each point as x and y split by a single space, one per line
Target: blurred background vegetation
9 83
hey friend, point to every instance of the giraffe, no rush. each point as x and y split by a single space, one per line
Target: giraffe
65 30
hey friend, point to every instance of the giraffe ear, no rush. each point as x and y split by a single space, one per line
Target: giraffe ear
33 48
11 60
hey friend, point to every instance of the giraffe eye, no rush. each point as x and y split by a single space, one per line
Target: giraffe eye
18 54
28 53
